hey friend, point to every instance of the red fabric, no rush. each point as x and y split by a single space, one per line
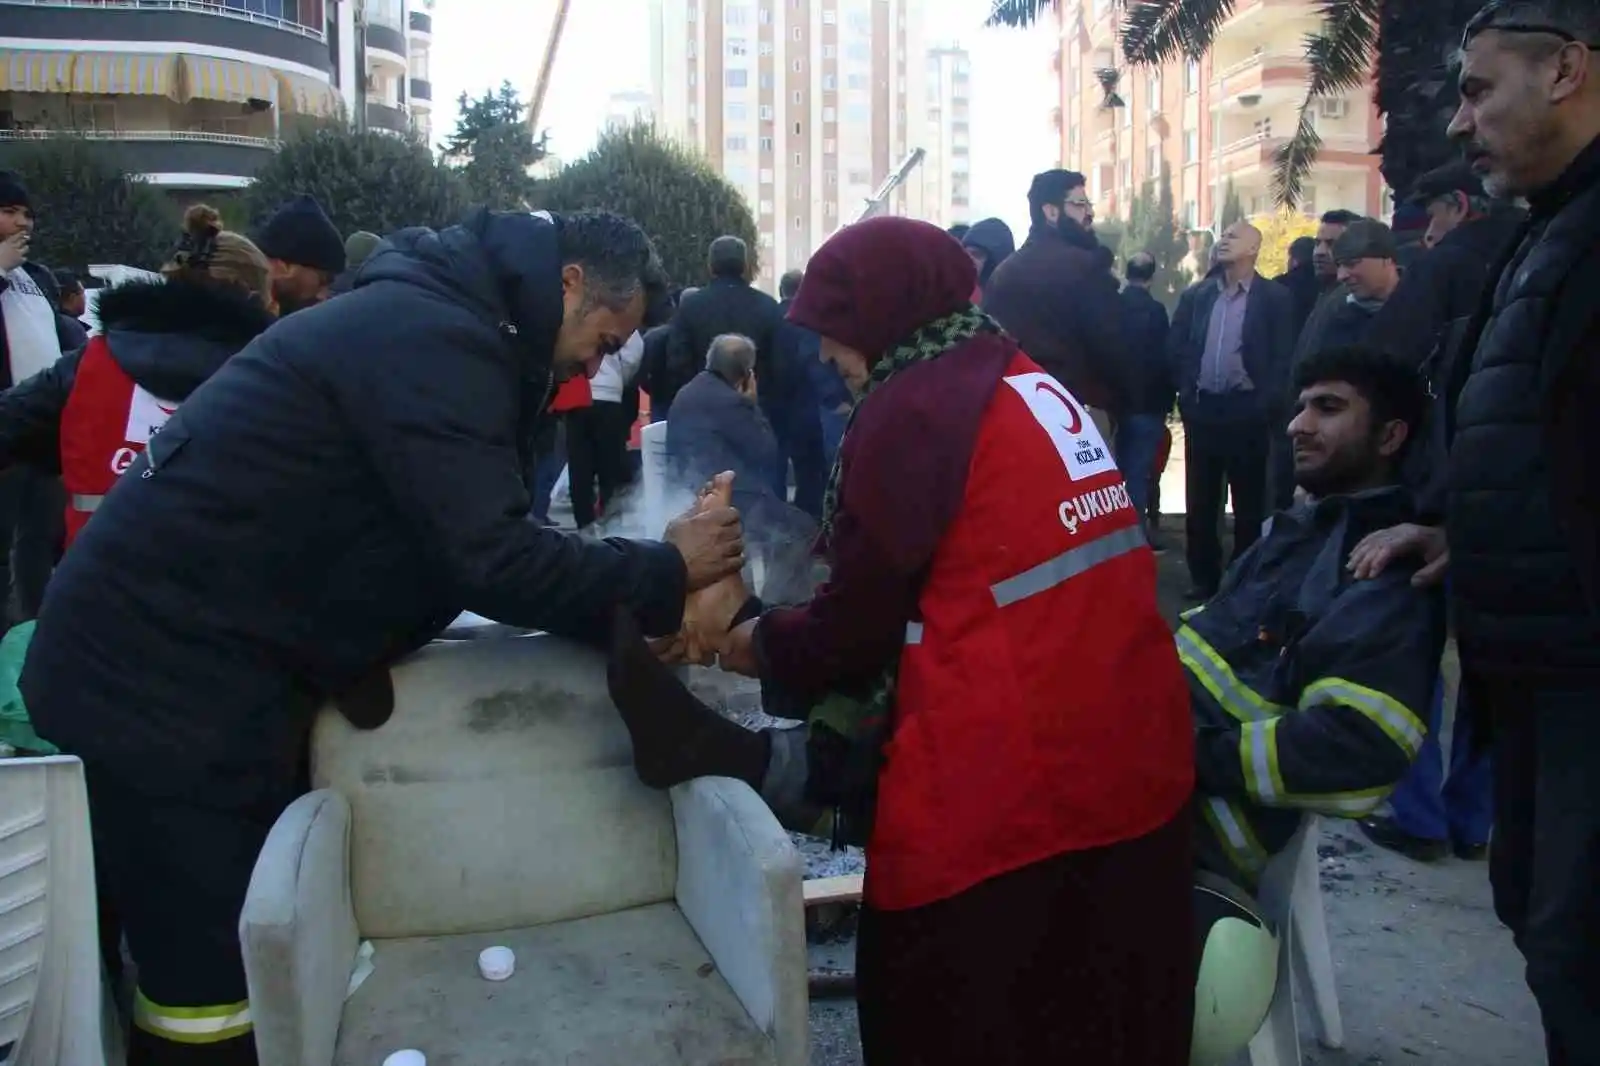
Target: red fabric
872 284
106 423
571 395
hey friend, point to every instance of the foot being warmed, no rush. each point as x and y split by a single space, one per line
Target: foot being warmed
675 737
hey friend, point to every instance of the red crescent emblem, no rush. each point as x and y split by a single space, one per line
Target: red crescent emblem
1075 425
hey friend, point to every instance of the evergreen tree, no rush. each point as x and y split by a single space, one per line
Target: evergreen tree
364 180
1153 227
671 192
1232 207
495 149
89 208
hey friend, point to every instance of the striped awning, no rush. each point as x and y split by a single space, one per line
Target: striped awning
205 78
122 74
307 96
39 72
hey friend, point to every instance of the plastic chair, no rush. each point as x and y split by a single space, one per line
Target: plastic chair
1291 897
54 1010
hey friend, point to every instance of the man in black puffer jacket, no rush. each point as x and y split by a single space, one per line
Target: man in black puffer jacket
1522 511
326 503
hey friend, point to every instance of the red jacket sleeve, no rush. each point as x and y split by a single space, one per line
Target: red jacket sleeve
904 474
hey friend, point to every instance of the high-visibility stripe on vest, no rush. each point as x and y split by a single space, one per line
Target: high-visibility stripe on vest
1039 706
192 1025
107 422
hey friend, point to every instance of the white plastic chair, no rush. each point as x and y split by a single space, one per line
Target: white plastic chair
1291 897
53 1006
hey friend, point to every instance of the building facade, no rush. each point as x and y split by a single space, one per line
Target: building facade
1211 121
805 105
197 94
946 173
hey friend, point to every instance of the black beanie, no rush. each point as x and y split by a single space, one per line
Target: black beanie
300 234
12 192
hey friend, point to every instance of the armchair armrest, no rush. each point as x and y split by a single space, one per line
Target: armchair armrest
739 886
298 932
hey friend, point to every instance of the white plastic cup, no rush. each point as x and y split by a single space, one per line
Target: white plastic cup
496 964
408 1057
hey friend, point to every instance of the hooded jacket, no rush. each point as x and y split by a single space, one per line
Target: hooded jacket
169 337
993 238
326 503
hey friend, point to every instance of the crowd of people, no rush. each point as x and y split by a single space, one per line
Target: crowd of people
294 459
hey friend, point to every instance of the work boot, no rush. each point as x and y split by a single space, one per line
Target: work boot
1386 833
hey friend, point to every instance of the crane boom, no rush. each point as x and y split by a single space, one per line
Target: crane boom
879 201
542 85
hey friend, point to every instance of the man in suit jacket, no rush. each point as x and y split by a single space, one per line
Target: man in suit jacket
1230 345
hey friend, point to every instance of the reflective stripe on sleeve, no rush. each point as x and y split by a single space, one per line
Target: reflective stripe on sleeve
1068 565
1215 675
86 503
1258 755
913 632
192 1025
1383 710
1238 840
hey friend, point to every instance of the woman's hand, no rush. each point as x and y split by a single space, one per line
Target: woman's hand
671 650
739 650
1377 550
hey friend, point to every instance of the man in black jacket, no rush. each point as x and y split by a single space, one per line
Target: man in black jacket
1521 538
1139 430
325 504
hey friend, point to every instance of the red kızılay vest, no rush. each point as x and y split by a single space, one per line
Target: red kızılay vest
108 421
1040 707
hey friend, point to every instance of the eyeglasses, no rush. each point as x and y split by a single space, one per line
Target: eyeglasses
1473 29
1087 205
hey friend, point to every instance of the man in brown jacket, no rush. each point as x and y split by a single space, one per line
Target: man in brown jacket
1056 298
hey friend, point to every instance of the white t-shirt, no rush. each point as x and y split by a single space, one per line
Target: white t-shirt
617 370
30 319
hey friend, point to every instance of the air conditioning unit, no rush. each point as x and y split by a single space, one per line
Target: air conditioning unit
1336 108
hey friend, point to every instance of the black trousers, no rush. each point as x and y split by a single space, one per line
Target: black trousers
1084 958
175 873
1224 449
32 530
597 451
1544 862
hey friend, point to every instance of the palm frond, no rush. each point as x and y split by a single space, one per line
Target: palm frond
1339 56
1160 31
1019 12
1110 79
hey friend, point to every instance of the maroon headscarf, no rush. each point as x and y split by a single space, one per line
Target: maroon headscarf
873 284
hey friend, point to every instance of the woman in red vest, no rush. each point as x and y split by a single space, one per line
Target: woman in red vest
158 341
994 705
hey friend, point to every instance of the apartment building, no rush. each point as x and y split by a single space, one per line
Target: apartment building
945 177
196 94
805 105
629 108
1209 121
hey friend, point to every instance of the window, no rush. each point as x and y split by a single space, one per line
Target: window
766 172
797 130
856 82
830 82
765 239
797 96
736 111
830 51
1263 128
1154 91
798 225
764 16
798 65
736 15
830 209
799 192
766 48
830 18
1191 76
830 146
833 177
736 142
766 113
694 111
766 81
1191 146
859 177
796 34
694 15
766 207
693 50
694 78
1152 162
1124 174
799 160
738 47
1191 214
829 115
736 79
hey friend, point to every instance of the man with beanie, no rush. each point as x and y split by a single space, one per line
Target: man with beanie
357 247
32 337
305 251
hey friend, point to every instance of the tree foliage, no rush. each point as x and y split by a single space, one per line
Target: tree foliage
669 190
1153 227
494 148
1278 231
1417 87
89 208
1232 206
364 180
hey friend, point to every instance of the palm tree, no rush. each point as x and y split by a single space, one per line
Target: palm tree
1412 42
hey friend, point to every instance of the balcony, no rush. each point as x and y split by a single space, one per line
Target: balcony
387 117
183 158
390 40
162 22
1262 78
422 23
421 91
1257 155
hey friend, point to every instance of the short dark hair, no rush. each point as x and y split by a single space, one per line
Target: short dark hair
1051 187
729 257
789 284
959 230
1339 217
1391 386
1561 21
616 257
1301 249
1141 267
68 282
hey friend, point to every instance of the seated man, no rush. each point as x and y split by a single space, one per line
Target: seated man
1309 687
715 425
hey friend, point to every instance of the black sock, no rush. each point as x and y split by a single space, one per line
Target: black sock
675 737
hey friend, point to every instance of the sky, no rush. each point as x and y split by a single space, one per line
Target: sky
606 49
